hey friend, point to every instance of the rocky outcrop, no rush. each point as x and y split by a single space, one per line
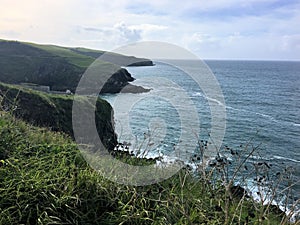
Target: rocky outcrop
119 82
122 60
145 62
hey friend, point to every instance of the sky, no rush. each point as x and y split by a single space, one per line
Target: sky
215 29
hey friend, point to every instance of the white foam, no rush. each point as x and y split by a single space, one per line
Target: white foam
267 116
260 194
285 158
197 94
215 100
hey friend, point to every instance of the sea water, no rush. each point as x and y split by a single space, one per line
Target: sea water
262 101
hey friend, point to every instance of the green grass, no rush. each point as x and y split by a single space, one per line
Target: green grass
54 110
45 180
73 57
60 68
21 62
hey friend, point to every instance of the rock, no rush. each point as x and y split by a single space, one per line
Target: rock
239 192
129 88
119 82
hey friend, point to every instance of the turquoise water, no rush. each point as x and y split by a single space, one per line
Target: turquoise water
262 100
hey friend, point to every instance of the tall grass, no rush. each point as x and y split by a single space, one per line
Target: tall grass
45 180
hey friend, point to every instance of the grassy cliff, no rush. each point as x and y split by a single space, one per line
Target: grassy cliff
54 111
58 67
20 62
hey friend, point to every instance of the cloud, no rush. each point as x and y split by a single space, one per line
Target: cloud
148 27
127 34
111 36
120 33
214 29
291 42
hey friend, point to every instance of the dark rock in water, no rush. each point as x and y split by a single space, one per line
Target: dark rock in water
238 191
129 88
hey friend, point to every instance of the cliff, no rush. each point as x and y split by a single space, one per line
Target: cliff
54 111
60 68
120 82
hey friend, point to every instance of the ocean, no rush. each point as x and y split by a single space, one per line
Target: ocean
261 99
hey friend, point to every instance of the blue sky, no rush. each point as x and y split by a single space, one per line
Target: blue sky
216 29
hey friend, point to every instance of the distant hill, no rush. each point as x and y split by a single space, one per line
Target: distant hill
58 67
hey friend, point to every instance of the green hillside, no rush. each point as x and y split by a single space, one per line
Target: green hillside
21 62
80 57
54 111
58 67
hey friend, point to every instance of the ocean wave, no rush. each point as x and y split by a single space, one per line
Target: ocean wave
196 94
276 157
262 191
215 100
285 158
200 94
269 117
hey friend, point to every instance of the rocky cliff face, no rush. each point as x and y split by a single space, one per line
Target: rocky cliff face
119 82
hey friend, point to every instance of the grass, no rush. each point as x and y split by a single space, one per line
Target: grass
45 180
21 62
60 68
54 110
74 57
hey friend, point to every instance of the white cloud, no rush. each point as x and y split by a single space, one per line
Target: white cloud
148 27
108 36
291 42
127 34
96 24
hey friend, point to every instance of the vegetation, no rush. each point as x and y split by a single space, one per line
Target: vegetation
20 62
80 57
58 67
54 110
45 180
